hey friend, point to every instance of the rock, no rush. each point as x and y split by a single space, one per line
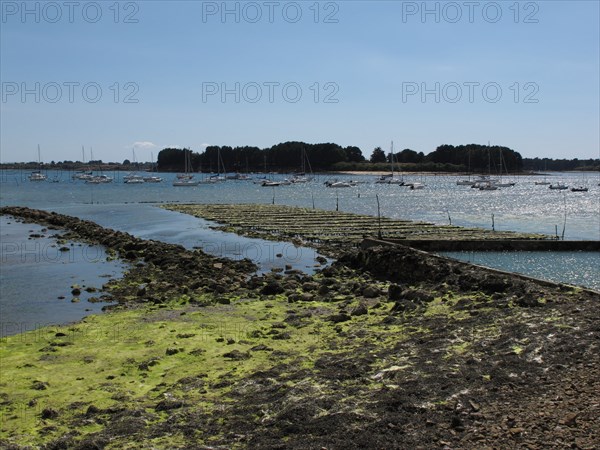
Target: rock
293 272
49 413
76 292
403 306
528 301
39 385
92 409
417 296
360 310
310 286
457 424
169 404
220 289
371 292
569 420
280 335
323 289
338 318
321 260
395 292
236 355
273 287
172 351
494 283
145 365
261 347
390 320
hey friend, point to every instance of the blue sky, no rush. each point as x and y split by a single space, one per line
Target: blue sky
151 74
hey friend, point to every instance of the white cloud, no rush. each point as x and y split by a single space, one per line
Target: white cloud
144 145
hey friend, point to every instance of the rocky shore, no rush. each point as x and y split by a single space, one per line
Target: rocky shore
386 348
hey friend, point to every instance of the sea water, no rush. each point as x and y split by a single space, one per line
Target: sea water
132 208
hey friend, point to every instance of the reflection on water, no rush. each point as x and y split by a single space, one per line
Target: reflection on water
578 268
150 222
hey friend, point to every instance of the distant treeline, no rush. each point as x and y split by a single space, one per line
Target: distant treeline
560 165
298 156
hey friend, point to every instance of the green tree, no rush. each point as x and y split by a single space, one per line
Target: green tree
378 155
354 154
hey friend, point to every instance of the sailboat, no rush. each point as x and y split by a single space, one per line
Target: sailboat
560 186
83 173
186 179
582 187
301 176
502 163
133 177
468 182
544 182
486 182
390 179
37 175
220 165
153 178
98 179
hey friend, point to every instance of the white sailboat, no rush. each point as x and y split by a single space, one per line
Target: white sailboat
390 179
187 178
37 175
153 178
500 183
133 177
97 179
468 182
301 177
83 174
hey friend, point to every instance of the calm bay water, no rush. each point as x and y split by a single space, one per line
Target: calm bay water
36 279
132 208
524 207
577 268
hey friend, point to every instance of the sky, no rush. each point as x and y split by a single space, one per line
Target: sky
131 78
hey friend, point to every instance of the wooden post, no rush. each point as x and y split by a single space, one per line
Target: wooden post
378 217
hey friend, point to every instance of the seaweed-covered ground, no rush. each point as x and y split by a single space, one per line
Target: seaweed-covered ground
386 348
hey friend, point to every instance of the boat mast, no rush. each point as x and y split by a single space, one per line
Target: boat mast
392 157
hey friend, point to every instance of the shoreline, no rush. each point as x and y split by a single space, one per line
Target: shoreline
118 168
